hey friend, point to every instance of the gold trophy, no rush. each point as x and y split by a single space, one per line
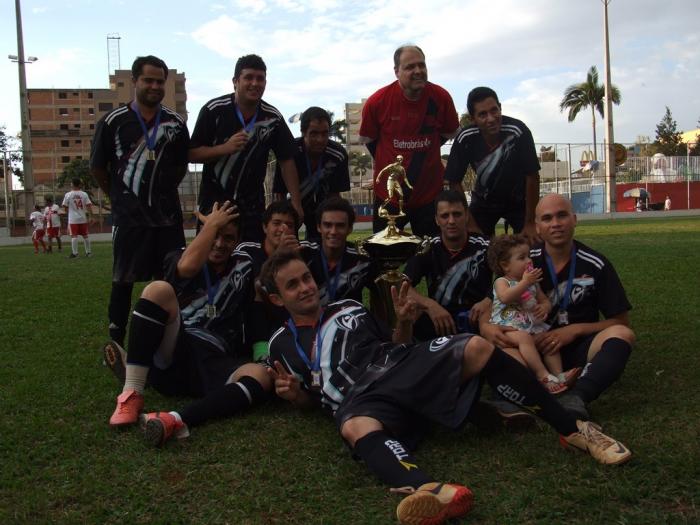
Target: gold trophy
391 247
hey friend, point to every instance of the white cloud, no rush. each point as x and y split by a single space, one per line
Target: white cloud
256 6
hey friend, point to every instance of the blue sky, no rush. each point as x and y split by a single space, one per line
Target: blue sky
326 52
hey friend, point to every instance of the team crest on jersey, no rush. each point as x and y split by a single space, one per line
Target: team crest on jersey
264 130
237 280
239 274
581 287
171 133
438 344
347 322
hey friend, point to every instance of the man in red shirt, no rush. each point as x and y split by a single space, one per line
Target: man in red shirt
412 118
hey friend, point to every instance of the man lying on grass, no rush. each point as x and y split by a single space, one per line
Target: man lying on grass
383 390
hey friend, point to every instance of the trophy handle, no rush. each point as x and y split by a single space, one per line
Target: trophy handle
382 303
360 247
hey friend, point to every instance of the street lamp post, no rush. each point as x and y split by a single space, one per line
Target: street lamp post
611 196
24 112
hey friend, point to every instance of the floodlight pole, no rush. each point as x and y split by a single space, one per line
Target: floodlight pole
24 114
610 188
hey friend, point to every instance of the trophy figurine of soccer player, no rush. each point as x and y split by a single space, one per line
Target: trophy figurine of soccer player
391 247
396 174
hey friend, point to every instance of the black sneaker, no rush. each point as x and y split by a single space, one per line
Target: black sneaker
117 334
115 358
72 256
499 413
575 405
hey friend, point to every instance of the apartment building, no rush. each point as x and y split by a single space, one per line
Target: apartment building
62 121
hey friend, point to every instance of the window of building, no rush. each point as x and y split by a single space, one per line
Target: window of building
79 141
89 94
65 143
62 95
92 126
91 111
105 106
64 126
75 93
76 110
63 111
79 157
65 159
120 84
77 126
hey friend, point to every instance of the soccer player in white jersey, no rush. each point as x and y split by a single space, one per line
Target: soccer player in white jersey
53 223
36 218
77 203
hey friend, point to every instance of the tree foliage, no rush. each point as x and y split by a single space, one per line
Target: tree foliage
588 94
668 138
695 148
12 146
360 164
338 129
80 169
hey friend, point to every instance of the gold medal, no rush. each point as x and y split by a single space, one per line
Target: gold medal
211 311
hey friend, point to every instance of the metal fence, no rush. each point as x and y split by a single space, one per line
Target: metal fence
565 169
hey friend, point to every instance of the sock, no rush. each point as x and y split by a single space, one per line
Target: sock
517 384
224 402
136 377
605 368
36 245
389 460
118 310
74 245
146 333
86 241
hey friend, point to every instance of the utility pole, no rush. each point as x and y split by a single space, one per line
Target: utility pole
24 113
610 187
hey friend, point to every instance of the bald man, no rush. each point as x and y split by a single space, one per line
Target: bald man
581 284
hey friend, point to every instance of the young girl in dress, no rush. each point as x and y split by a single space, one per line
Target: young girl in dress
519 302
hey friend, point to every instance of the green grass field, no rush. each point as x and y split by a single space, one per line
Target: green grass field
61 463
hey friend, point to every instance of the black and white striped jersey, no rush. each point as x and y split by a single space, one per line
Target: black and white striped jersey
231 292
239 176
356 272
455 280
596 287
500 172
351 342
142 192
331 177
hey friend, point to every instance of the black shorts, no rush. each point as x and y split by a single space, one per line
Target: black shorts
201 363
422 220
421 382
139 251
487 217
576 353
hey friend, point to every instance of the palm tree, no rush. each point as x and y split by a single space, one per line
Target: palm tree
337 129
360 163
588 93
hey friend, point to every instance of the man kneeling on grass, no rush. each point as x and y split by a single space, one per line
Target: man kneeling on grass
186 338
382 389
